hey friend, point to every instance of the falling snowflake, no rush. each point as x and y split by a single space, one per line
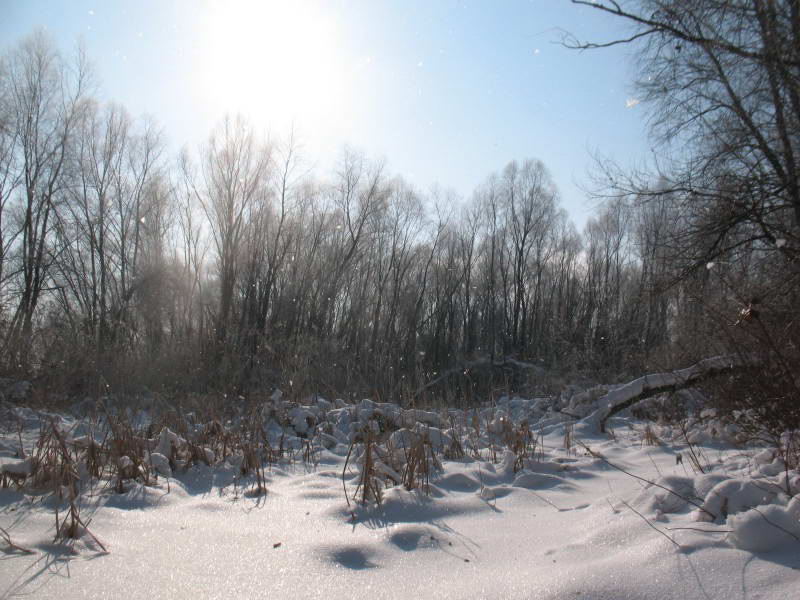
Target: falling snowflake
631 102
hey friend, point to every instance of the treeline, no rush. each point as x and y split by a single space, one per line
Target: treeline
233 268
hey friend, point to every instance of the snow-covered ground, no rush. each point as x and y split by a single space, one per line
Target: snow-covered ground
556 523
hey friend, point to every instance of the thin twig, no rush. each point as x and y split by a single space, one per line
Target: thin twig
344 470
700 530
7 537
783 529
666 489
646 520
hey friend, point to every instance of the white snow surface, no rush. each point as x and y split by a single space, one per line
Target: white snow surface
565 526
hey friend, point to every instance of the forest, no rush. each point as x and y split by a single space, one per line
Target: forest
228 372
236 268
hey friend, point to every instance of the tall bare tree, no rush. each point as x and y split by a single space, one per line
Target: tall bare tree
235 172
45 101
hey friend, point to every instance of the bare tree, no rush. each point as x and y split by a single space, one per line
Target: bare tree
10 175
45 101
235 172
722 80
530 196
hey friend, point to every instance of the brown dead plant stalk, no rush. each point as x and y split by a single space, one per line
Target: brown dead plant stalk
569 437
649 438
12 547
421 460
72 526
522 443
128 454
255 451
369 483
694 453
454 450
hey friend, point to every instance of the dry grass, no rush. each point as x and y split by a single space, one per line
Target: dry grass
64 466
118 454
12 547
569 439
421 460
454 450
694 453
58 469
649 438
522 443
370 486
127 452
474 436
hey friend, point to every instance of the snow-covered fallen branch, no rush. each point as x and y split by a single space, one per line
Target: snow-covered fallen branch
648 386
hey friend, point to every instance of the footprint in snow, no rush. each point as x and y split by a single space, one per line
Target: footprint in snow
352 558
414 537
318 495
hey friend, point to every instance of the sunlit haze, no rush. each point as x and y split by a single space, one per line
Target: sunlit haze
444 92
278 63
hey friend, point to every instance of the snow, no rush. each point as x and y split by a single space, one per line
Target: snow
167 440
558 523
793 508
737 495
19 468
763 530
160 464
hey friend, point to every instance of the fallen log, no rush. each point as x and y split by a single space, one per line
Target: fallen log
648 386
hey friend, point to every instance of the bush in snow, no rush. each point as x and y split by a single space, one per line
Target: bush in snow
764 528
733 496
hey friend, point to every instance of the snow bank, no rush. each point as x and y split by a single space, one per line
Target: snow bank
544 521
733 496
764 529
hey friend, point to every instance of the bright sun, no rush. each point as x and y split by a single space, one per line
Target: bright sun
278 62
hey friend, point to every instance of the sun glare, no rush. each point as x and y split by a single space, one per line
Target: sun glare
277 62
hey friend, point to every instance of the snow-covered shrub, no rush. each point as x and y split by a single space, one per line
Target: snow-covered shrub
654 499
765 528
733 496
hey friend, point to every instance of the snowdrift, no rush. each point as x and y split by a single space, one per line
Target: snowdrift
517 500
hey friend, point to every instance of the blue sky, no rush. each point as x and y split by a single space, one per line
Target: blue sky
445 91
